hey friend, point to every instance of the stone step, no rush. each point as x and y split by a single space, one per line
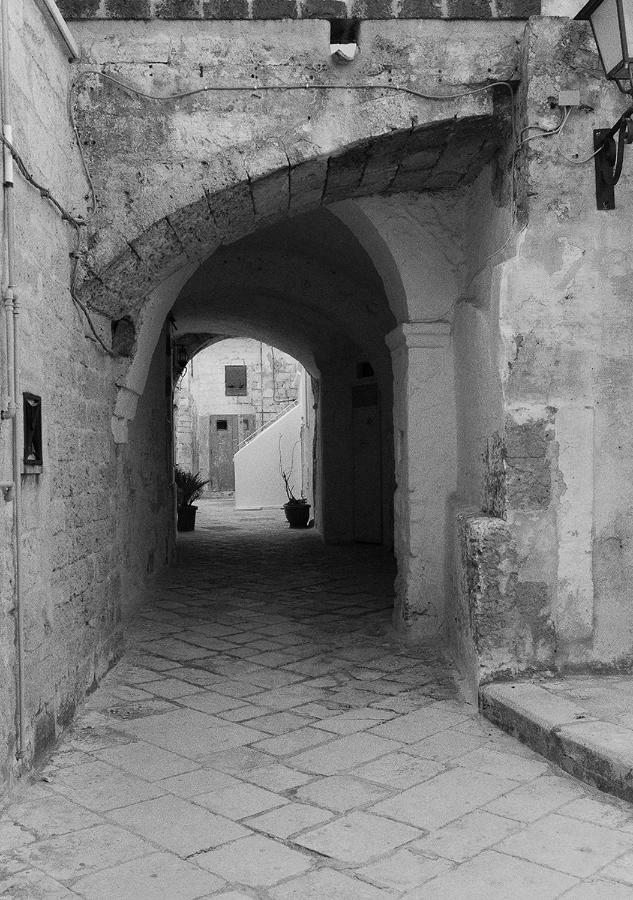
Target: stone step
589 747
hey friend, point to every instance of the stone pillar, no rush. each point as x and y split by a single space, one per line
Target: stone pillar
425 462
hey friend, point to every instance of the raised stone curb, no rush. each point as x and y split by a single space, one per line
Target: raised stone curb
591 749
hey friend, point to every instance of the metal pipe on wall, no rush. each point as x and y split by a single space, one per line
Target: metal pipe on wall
63 29
13 373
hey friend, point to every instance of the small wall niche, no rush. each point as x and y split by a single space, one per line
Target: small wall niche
344 40
364 370
123 336
32 421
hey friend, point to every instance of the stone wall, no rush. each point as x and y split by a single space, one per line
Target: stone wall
535 456
543 579
186 416
271 379
567 366
95 518
302 9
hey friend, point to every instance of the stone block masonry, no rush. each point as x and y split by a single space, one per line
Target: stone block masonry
299 9
95 518
334 763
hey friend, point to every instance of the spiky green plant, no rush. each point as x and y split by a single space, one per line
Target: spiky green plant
188 486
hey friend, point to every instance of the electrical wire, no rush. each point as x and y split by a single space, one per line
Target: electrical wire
77 223
578 162
557 132
443 317
254 89
45 192
82 155
66 216
78 303
544 133
251 88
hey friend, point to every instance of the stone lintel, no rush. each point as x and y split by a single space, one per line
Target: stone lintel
419 335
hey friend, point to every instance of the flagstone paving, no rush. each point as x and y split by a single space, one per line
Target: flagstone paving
266 736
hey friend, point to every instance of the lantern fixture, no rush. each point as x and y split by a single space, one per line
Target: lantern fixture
612 24
182 357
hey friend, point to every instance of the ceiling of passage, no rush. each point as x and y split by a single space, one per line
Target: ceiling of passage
305 285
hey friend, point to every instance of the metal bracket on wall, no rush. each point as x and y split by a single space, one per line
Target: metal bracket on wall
604 162
609 157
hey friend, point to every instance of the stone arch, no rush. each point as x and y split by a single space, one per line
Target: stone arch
366 185
143 280
437 156
307 287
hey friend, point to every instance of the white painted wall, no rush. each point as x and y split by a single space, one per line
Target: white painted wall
258 482
271 379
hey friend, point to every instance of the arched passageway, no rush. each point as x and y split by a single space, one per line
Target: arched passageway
185 157
355 263
363 292
307 287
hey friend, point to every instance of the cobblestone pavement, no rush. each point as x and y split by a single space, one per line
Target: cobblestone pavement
266 737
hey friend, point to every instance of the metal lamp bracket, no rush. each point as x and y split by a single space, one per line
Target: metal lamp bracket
609 157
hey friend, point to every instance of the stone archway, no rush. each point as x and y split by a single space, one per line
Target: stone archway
307 287
408 196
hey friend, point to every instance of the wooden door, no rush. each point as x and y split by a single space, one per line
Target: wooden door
225 435
367 464
223 440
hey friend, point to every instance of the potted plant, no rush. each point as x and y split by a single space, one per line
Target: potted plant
189 489
297 509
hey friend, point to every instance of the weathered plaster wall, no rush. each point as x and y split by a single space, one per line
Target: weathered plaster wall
561 7
145 498
285 135
477 339
549 585
568 366
53 544
185 422
91 518
271 379
436 269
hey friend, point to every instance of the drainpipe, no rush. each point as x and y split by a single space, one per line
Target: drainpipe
261 383
13 378
64 32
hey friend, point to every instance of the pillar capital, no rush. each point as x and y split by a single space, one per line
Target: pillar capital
414 335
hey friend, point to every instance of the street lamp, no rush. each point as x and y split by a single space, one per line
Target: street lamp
612 24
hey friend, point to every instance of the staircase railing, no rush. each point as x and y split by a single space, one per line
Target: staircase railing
258 431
